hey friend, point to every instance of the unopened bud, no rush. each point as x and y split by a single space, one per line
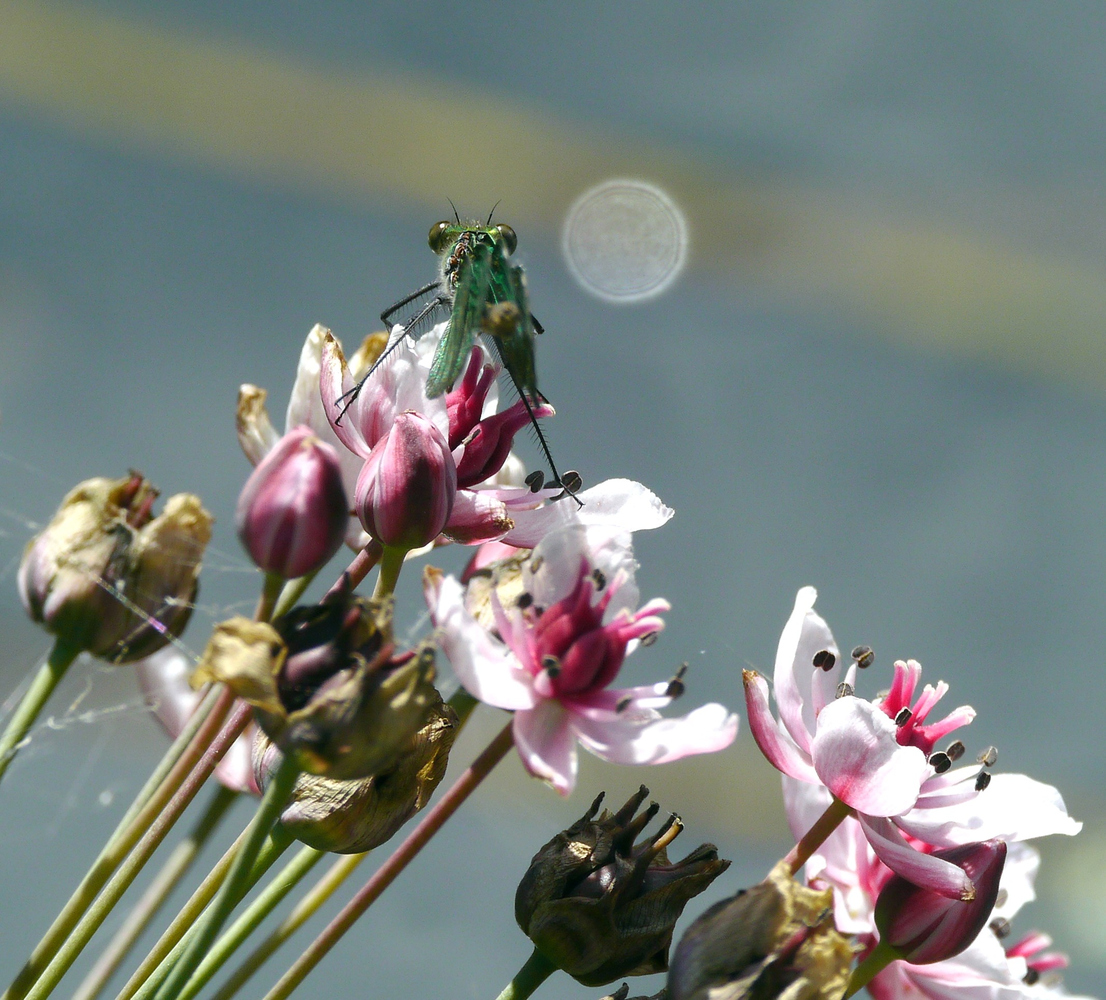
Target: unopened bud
325 684
108 577
775 939
921 926
405 491
292 513
348 817
600 906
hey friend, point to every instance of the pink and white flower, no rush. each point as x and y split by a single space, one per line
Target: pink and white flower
557 652
879 758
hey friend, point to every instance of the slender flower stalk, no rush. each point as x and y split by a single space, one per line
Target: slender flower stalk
236 884
48 677
127 872
303 911
536 971
282 883
391 564
829 821
465 785
149 904
188 752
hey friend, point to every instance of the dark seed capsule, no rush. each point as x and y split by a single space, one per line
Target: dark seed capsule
676 685
1031 977
955 750
982 780
623 705
904 716
598 578
649 638
844 690
551 665
525 599
988 757
940 762
1001 927
536 480
863 656
571 481
824 659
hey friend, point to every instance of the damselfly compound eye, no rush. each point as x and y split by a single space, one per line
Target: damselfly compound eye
437 239
509 237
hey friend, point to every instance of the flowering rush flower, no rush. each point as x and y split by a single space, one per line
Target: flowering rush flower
988 969
880 757
558 650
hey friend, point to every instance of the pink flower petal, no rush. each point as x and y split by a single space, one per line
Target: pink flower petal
1012 807
625 739
804 635
335 381
477 517
547 745
857 757
485 667
923 870
774 743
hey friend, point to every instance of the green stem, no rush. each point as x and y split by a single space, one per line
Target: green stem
282 884
213 710
157 966
303 911
292 592
829 821
391 562
270 593
47 678
536 971
878 959
268 812
431 823
127 872
148 906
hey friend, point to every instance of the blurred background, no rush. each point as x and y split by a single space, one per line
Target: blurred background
882 370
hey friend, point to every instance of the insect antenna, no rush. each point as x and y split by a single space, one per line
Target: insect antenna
492 212
454 207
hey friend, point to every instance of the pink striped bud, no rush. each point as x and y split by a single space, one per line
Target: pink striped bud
292 512
921 926
405 491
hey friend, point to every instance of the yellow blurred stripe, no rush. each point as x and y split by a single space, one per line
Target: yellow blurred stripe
375 137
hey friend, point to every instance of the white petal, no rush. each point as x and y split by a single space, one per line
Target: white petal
1011 807
623 739
488 670
1018 876
547 745
256 433
796 678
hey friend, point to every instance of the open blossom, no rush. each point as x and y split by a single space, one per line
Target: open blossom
880 758
987 969
557 651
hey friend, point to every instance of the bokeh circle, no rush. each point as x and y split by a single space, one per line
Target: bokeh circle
625 240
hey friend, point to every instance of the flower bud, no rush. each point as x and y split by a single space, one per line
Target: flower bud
600 907
292 512
405 491
108 577
922 926
775 939
325 684
348 817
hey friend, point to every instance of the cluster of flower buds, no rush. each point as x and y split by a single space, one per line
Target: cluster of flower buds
109 577
600 906
327 685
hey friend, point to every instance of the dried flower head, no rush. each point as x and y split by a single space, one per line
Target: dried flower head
600 906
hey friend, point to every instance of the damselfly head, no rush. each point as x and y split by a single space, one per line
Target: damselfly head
445 236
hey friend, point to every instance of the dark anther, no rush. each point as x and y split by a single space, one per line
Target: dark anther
649 638
982 780
1001 927
864 656
824 659
598 578
940 762
525 599
676 685
844 690
904 716
571 481
1031 977
955 750
988 757
551 665
536 480
623 705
